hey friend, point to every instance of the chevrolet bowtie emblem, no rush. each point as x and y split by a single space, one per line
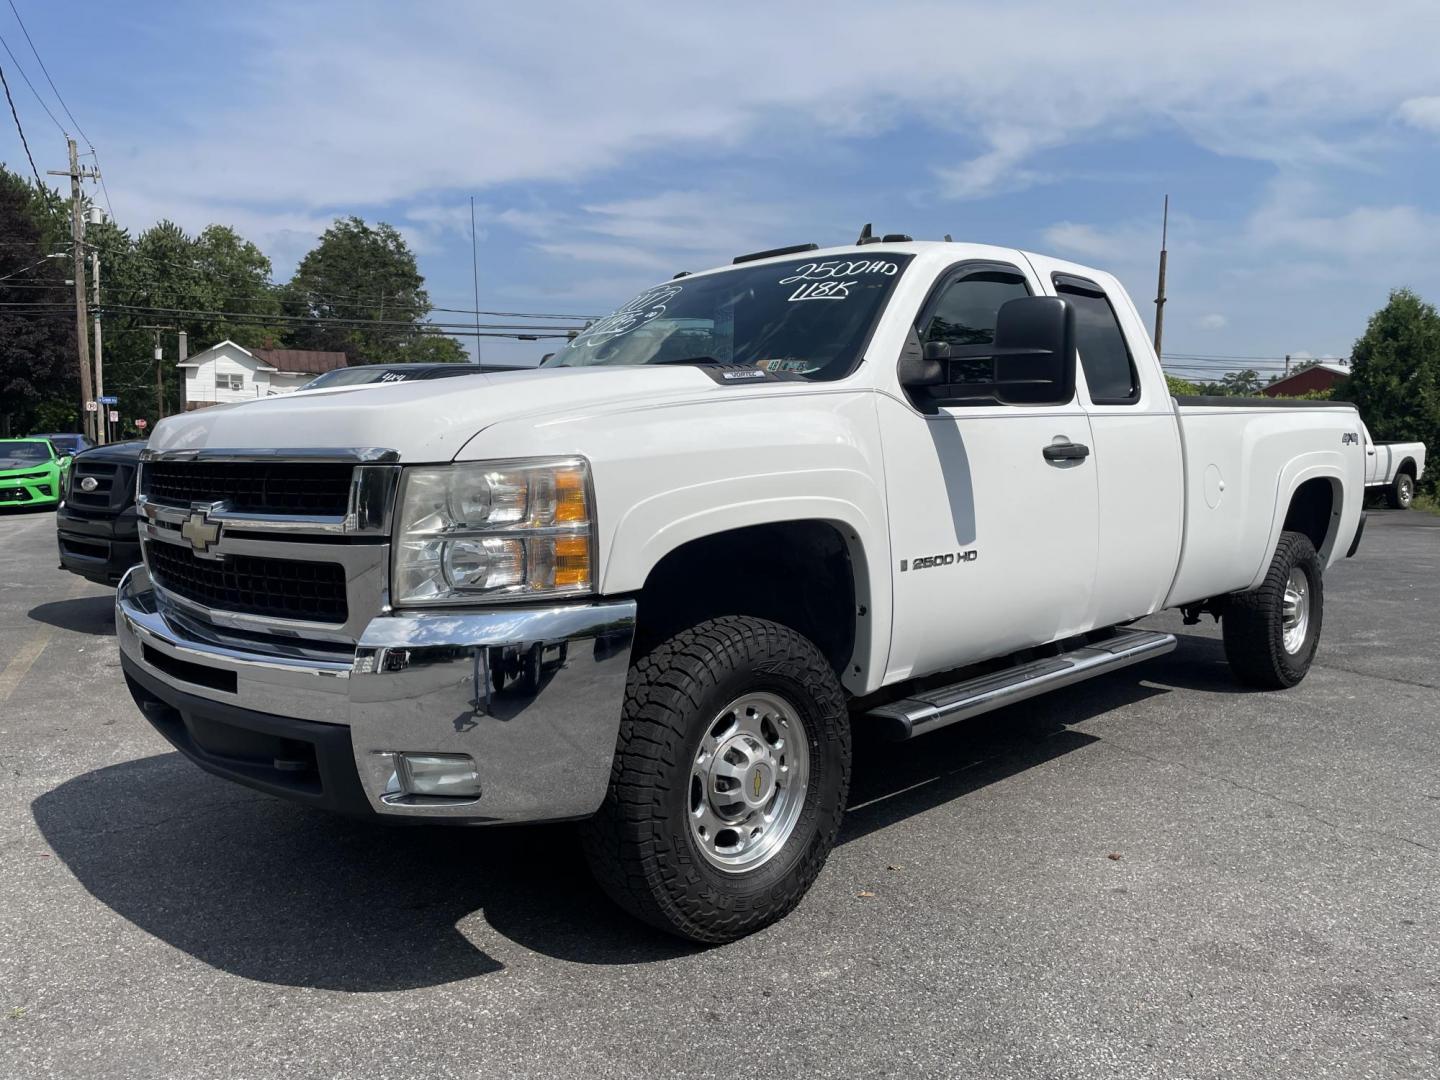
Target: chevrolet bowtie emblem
200 531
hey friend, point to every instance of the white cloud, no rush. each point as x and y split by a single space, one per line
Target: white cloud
614 254
1296 218
1126 242
1422 113
1213 321
390 103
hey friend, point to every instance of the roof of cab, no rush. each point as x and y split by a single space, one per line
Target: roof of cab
953 249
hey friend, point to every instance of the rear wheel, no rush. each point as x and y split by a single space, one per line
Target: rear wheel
729 780
1402 492
1271 632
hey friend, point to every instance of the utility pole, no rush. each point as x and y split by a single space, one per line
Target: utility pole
475 272
77 237
159 382
160 367
102 417
1160 289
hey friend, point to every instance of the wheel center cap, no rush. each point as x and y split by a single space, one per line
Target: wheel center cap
759 784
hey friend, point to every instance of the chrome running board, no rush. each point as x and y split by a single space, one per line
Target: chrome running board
934 709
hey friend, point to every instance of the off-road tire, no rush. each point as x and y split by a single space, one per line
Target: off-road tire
1400 494
639 845
1253 623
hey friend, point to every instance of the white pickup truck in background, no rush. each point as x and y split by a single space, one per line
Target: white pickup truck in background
1394 468
652 584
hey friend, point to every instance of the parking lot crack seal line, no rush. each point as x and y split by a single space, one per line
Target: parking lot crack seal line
1308 810
1382 678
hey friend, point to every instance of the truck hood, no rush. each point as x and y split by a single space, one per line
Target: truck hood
426 420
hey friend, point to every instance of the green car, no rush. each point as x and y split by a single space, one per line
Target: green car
32 472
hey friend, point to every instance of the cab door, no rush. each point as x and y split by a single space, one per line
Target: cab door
993 525
1373 475
1136 444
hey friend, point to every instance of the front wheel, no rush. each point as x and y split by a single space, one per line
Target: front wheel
1402 492
729 780
1271 632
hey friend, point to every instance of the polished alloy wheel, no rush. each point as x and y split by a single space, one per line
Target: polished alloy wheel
1296 611
747 782
1405 488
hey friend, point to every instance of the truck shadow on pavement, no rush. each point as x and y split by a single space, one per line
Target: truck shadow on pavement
269 891
83 614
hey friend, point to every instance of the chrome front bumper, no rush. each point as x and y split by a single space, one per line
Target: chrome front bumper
532 695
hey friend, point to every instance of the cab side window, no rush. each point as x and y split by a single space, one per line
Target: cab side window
965 312
1104 354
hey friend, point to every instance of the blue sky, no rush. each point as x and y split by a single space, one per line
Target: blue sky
609 145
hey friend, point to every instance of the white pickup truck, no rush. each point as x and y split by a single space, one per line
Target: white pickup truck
652 585
1394 468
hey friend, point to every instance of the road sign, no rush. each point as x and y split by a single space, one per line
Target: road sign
109 399
114 416
92 406
141 423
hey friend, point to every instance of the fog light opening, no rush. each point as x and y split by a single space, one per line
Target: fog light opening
433 776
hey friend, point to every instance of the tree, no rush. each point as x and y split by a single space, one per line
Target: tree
360 292
1242 383
235 277
1180 387
1395 373
433 348
214 286
38 358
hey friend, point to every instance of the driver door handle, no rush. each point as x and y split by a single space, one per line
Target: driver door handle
1066 451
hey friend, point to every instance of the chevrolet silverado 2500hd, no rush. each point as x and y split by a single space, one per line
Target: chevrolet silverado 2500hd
652 584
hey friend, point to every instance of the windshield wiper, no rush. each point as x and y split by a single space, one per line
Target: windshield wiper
686 360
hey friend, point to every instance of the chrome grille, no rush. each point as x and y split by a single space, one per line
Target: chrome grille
319 488
275 588
278 542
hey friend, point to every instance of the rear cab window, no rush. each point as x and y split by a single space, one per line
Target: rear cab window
1110 372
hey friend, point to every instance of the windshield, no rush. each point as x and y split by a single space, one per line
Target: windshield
66 444
809 318
351 376
17 455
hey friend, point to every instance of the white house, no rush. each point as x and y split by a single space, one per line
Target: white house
229 372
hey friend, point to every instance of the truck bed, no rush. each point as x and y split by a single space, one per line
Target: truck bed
1235 451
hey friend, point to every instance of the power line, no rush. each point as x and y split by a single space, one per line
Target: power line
20 128
50 80
355 322
21 68
339 299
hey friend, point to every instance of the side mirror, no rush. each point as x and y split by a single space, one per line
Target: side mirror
1032 359
1035 351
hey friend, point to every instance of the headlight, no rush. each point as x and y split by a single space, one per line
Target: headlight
493 529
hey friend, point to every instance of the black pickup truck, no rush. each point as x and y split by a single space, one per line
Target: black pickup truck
95 523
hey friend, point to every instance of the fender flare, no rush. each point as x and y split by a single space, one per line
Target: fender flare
661 524
1299 471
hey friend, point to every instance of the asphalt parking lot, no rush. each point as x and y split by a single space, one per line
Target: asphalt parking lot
1154 875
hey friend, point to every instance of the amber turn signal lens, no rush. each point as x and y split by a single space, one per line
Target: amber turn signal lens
570 496
572 560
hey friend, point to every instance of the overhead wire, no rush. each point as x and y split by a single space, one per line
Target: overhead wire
46 72
20 128
21 68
